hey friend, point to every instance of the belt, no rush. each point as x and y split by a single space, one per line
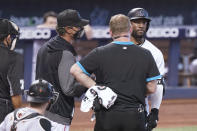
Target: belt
136 108
139 108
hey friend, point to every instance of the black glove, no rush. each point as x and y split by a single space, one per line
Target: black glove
152 119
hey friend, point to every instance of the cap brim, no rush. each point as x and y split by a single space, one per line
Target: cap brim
83 22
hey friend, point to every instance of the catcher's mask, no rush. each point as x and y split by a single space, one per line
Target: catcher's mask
8 27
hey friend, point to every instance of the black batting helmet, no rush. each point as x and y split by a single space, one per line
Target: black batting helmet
40 91
8 27
139 13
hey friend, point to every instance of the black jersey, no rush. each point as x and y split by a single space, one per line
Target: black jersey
125 68
11 73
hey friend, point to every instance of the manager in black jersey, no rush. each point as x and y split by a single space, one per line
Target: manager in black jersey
11 69
129 70
54 60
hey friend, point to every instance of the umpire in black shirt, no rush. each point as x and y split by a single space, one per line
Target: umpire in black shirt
129 70
11 69
53 64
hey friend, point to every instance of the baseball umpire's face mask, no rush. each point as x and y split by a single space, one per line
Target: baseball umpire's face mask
14 38
79 32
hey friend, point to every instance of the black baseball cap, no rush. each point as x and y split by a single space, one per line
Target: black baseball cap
70 17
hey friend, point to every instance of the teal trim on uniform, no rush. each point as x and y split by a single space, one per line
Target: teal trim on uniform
153 78
83 69
122 43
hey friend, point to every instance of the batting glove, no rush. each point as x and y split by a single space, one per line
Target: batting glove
153 118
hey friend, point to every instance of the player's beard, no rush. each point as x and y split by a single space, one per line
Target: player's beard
136 35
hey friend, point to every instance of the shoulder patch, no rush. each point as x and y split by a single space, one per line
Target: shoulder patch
45 124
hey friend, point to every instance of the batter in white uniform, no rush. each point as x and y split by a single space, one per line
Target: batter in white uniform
140 23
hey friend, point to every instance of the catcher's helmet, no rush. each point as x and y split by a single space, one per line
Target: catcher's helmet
139 13
9 28
41 91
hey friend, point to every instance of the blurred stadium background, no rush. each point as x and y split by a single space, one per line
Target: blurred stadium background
173 29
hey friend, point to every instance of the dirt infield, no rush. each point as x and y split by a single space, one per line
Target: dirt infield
173 113
178 113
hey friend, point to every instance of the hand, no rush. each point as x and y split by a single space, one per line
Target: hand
106 95
153 118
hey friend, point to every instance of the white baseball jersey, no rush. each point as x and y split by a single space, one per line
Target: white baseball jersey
157 55
156 97
32 124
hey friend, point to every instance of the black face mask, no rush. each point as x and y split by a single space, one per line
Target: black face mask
79 34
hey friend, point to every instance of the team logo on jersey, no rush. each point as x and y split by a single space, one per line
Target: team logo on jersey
20 115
